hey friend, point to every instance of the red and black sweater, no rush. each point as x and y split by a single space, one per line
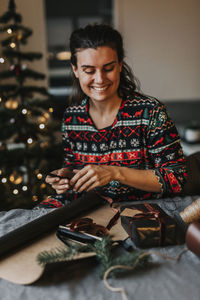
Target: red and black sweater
142 136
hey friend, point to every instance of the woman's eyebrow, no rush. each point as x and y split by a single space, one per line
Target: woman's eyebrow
89 66
110 63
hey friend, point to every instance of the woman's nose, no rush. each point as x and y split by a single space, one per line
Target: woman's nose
99 77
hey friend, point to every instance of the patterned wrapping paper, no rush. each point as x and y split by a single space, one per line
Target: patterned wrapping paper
149 226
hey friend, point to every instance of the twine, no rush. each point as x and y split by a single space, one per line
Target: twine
121 289
192 212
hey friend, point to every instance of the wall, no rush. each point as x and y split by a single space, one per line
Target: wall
162 43
32 12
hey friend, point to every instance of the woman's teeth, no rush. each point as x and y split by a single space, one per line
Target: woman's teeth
100 89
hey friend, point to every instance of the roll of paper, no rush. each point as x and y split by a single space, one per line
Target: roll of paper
44 224
193 237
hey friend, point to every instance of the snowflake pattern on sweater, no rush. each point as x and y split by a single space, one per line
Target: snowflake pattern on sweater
142 136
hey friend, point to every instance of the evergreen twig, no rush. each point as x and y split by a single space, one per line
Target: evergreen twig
103 251
60 254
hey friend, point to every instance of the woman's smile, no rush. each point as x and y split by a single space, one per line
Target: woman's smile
100 89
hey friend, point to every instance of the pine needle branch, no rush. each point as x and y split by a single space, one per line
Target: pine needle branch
60 254
103 251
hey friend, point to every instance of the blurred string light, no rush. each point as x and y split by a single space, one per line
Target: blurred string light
42 126
0 99
24 188
50 109
4 180
46 115
12 120
15 191
24 67
39 176
63 55
2 60
42 119
0 172
43 185
12 67
12 45
11 104
16 179
30 141
19 36
24 111
9 30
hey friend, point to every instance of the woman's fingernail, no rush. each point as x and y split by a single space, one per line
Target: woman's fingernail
66 180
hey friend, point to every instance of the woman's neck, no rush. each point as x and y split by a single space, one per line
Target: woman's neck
105 107
102 113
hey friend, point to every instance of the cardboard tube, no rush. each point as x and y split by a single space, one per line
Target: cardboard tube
193 237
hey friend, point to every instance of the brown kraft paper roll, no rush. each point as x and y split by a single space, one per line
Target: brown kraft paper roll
193 237
48 222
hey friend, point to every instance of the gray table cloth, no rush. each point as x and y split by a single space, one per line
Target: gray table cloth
165 279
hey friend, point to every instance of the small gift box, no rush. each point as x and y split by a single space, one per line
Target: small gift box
149 226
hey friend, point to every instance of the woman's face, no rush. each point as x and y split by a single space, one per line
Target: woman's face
98 71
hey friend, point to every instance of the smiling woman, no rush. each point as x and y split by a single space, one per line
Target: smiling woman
116 140
98 72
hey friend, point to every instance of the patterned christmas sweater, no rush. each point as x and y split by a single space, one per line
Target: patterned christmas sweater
142 136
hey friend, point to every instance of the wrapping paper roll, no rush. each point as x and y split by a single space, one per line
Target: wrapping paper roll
193 237
46 223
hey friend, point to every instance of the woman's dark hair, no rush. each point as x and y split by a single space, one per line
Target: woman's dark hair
94 36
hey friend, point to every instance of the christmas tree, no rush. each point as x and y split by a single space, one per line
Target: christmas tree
28 147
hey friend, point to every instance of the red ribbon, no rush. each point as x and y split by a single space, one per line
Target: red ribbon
146 215
87 225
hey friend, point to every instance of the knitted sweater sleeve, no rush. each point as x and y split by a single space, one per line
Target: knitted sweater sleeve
69 158
165 152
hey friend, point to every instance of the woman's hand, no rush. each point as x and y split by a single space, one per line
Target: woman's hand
91 176
58 184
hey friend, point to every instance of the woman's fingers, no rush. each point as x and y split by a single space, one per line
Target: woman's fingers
81 177
61 190
61 185
89 177
51 180
79 174
85 185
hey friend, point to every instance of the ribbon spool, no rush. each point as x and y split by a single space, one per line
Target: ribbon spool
191 215
192 212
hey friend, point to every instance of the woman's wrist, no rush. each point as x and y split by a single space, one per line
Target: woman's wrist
116 173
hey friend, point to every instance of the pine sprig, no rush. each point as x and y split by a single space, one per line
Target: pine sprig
103 251
60 254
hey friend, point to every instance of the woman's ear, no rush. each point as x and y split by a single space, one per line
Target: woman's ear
75 70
